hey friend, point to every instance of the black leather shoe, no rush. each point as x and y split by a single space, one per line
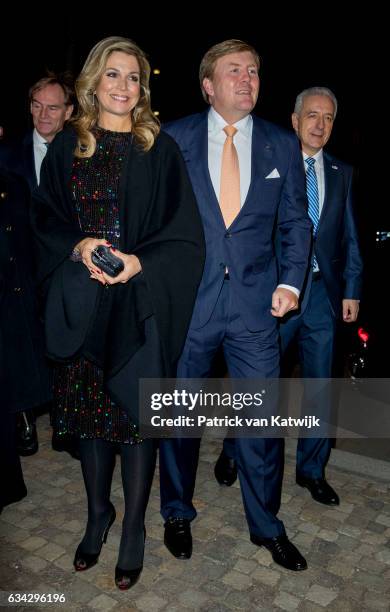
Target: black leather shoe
283 552
83 560
320 490
26 434
178 538
225 470
125 579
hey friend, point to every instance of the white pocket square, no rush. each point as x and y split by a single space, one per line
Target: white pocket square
273 174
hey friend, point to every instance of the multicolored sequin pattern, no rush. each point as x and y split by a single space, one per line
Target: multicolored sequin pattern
95 185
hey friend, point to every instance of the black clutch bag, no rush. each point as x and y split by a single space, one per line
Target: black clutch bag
105 259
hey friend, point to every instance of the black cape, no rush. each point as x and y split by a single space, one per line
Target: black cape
159 222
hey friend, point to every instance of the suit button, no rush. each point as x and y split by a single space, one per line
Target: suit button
3 195
17 289
12 259
228 235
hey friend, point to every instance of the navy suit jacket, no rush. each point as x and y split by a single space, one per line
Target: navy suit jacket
247 246
336 244
18 157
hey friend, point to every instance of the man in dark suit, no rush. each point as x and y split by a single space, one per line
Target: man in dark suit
239 299
333 285
50 106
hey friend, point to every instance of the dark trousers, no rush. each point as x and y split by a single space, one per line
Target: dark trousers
259 460
314 332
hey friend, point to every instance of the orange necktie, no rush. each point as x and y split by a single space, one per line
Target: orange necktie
229 199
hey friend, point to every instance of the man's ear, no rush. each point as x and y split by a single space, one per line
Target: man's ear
295 122
208 87
68 112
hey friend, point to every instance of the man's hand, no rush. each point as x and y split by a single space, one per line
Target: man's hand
283 300
350 310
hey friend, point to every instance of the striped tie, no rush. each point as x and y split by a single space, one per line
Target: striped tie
313 199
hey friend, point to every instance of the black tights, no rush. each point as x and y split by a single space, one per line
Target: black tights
137 465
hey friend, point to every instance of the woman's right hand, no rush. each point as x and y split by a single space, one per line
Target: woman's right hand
85 248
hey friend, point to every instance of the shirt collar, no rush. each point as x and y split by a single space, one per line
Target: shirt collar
216 123
37 138
319 157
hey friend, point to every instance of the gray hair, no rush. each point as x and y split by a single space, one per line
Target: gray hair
315 91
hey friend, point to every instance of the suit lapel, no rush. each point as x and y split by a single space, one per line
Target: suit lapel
262 154
331 171
261 159
261 162
197 158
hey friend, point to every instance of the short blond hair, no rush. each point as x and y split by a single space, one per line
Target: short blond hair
207 65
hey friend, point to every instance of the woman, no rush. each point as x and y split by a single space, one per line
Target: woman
115 179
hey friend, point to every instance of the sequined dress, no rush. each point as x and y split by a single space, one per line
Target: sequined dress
81 407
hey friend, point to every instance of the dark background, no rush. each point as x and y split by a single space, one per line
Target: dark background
294 56
299 48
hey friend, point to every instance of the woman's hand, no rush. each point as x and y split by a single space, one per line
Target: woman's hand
85 248
132 267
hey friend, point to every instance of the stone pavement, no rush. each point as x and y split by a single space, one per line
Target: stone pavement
347 548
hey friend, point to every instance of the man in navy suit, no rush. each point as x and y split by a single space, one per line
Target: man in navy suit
333 286
50 106
239 299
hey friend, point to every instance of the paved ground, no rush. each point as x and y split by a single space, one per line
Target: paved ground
348 548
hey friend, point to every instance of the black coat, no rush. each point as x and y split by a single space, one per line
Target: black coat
24 374
18 157
159 222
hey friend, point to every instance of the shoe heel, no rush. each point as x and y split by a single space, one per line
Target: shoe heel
82 560
110 522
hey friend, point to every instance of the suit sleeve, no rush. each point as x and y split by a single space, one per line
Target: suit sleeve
353 271
293 224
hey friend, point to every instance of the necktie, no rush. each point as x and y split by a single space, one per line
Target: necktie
312 197
229 199
46 144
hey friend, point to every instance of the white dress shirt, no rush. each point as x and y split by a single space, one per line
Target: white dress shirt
243 143
40 150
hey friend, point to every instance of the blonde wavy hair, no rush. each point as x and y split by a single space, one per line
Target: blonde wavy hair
145 126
